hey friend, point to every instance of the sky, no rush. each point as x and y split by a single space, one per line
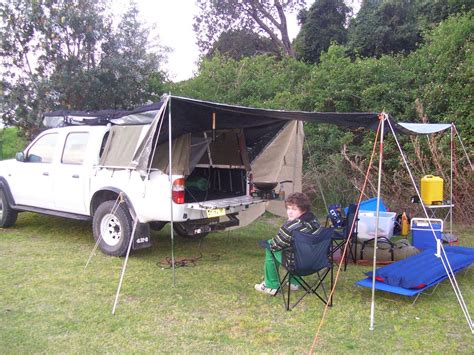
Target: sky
173 22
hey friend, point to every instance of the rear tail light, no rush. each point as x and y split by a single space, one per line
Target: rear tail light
178 191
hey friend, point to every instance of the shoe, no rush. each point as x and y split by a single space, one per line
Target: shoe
294 287
264 289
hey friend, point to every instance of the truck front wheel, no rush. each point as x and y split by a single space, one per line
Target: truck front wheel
7 214
113 228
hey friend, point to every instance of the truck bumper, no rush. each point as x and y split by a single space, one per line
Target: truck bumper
229 206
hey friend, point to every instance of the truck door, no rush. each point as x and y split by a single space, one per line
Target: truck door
32 179
72 175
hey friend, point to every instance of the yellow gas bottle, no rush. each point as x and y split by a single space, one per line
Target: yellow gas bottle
405 225
431 190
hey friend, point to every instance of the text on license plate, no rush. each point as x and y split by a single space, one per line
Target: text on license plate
215 212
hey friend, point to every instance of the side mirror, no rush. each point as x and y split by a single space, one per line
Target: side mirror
20 156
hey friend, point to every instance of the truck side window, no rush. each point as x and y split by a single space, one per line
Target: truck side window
43 149
75 148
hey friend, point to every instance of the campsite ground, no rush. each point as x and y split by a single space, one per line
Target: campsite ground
50 304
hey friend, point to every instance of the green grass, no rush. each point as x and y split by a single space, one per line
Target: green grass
10 142
50 304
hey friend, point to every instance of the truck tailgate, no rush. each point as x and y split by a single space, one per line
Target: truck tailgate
225 203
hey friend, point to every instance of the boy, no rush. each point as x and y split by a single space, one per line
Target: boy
300 217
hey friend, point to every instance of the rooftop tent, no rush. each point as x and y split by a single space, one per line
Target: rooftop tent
138 116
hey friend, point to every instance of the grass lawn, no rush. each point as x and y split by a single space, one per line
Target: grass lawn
50 304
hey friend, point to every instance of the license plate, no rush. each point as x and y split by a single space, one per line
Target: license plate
215 212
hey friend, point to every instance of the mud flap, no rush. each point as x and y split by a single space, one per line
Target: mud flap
142 238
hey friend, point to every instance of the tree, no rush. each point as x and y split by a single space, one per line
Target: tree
66 54
432 12
237 44
260 16
127 64
40 39
393 26
322 24
383 27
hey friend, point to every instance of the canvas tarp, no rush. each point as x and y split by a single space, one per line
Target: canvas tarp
282 160
181 148
121 146
227 150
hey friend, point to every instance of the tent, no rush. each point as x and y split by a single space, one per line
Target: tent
273 138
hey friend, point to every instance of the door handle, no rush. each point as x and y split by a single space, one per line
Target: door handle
45 173
76 176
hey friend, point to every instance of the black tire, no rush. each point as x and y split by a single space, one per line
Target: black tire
157 225
113 229
180 229
8 215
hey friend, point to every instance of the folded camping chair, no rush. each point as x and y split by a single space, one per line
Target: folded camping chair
312 257
342 231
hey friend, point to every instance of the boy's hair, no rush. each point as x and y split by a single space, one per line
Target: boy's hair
300 200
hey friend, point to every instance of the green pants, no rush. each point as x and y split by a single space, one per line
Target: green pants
271 272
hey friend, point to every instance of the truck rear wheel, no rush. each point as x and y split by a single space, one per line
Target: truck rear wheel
113 228
185 230
8 215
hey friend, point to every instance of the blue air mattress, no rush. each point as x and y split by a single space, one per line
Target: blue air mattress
423 270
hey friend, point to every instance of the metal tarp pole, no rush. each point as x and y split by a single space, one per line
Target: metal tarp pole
382 117
451 201
124 267
170 145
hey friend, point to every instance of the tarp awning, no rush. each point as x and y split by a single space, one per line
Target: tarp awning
193 117
424 128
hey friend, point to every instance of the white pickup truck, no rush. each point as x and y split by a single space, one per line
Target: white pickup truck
60 173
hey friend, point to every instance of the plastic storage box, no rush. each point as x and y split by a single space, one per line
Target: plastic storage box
368 220
369 205
422 235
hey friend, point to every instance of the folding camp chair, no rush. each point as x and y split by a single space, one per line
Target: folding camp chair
342 231
312 257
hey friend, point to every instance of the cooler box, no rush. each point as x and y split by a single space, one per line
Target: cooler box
367 221
431 190
422 235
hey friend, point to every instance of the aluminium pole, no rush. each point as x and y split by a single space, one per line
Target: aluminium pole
451 201
382 117
124 266
170 172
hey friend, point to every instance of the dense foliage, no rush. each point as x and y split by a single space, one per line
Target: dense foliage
321 25
68 54
237 44
433 83
394 26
